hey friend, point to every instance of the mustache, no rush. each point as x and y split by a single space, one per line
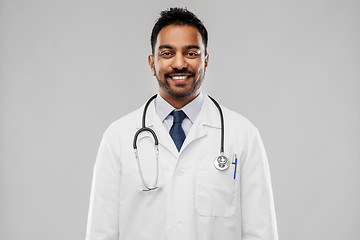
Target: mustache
181 71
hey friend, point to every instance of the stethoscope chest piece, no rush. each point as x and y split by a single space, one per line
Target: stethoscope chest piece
221 163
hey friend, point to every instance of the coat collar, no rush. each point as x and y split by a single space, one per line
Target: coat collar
208 117
192 109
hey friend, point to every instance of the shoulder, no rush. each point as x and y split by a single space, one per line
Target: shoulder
125 124
232 119
239 127
237 119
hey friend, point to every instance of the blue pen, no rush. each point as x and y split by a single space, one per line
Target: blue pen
235 163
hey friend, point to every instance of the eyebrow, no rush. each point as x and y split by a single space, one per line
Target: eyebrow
192 46
165 46
186 47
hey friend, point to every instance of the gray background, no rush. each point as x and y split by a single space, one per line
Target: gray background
70 68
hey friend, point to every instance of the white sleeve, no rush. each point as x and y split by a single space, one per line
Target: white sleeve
103 218
257 205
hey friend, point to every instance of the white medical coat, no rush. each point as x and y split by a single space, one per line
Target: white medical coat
194 200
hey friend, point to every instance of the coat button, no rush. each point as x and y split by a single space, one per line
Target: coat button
179 172
179 227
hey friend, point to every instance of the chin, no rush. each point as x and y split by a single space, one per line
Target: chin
181 93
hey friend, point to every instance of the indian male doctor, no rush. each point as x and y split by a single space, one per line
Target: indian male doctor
181 189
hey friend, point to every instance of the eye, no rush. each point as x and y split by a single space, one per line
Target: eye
192 54
165 54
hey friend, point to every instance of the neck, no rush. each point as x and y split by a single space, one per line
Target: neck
178 103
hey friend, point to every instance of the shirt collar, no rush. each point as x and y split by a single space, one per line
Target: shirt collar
192 109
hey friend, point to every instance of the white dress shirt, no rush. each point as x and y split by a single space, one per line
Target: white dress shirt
192 109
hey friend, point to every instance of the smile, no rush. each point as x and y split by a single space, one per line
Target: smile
179 77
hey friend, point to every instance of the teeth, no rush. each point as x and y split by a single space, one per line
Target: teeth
179 77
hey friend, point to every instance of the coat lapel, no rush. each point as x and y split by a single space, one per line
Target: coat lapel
208 117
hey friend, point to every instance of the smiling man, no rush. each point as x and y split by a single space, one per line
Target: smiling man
208 178
179 62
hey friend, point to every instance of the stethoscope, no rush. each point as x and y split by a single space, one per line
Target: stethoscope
220 163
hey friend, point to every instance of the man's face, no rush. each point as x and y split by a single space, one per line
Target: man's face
179 62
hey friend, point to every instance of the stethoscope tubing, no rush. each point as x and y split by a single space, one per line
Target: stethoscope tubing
143 128
222 124
221 160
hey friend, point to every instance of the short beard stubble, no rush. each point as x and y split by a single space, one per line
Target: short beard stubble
166 87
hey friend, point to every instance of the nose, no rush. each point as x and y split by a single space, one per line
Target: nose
179 62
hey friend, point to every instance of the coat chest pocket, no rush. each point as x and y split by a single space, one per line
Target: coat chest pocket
217 192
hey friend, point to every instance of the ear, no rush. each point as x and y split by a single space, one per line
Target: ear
151 64
206 60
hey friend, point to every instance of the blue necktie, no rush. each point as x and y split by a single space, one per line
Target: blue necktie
176 131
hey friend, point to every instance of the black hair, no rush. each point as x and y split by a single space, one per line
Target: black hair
178 16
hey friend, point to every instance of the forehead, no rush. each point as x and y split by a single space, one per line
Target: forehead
179 36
